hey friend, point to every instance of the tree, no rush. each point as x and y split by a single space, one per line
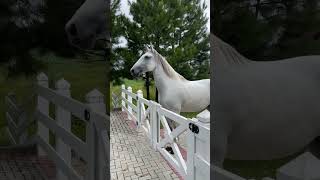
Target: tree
268 29
116 33
177 30
18 20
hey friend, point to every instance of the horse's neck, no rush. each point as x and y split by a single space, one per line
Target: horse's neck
162 80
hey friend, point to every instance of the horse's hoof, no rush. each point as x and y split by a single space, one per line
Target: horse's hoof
169 149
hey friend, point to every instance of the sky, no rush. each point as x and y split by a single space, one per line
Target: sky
124 8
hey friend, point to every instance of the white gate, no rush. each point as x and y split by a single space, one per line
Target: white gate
150 117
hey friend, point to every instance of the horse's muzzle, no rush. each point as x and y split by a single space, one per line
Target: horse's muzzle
135 72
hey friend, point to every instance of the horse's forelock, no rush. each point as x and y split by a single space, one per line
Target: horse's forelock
146 48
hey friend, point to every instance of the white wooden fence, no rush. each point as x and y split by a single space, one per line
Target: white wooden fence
148 115
94 151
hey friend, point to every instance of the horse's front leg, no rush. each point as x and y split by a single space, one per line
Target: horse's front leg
172 125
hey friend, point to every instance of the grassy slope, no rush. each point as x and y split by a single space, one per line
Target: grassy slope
83 77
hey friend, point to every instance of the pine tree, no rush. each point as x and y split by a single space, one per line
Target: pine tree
116 33
177 30
18 20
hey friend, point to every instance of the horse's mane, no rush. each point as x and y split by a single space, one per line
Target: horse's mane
171 73
224 53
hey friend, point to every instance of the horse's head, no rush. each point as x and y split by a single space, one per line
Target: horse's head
88 24
146 63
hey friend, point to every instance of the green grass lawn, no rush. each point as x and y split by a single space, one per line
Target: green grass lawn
139 85
83 77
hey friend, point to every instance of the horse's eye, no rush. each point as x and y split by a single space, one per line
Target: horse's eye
147 57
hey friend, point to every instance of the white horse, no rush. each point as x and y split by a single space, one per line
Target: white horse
175 92
263 110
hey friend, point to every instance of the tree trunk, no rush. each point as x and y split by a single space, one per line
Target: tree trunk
158 49
148 85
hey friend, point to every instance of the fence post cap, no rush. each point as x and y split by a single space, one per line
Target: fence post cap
95 96
123 86
139 93
204 116
62 84
129 88
42 77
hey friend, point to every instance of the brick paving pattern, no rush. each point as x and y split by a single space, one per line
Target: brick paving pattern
132 157
22 164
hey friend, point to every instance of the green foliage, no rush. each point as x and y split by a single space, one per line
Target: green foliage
24 26
176 28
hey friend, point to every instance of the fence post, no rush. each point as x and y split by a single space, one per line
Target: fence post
130 100
97 164
198 148
139 106
154 123
63 118
190 155
157 123
123 95
43 107
151 114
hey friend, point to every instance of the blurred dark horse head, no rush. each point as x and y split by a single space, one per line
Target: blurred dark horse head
88 24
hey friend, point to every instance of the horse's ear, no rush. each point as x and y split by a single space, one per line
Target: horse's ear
146 48
151 46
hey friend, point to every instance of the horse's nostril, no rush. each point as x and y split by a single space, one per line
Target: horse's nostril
73 30
132 71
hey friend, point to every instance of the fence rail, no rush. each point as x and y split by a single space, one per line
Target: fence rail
153 119
94 151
